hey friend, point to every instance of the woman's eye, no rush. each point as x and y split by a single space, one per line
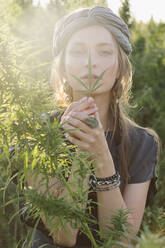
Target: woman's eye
105 52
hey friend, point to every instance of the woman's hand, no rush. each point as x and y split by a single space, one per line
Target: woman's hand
87 139
83 104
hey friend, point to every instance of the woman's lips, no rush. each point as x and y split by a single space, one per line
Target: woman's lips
93 77
87 80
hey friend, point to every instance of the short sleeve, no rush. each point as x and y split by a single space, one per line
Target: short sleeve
144 158
143 162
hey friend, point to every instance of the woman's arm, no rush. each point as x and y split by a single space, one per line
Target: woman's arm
133 199
59 236
109 201
134 196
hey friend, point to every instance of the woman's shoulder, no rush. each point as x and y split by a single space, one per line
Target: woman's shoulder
144 154
143 138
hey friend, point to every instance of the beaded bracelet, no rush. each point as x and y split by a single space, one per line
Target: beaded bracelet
107 188
115 176
104 181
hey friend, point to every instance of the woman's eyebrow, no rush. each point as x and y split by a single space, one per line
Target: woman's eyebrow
98 44
104 44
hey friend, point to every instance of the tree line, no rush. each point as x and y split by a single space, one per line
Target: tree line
26 33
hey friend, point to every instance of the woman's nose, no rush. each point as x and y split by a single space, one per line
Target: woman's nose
91 60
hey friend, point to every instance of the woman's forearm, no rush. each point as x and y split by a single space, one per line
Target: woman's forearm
60 237
110 201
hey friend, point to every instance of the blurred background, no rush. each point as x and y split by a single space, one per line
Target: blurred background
26 33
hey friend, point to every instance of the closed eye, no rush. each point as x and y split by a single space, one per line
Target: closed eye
105 52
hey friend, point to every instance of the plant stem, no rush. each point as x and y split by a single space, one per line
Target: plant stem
90 235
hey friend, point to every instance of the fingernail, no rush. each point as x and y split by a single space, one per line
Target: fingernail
83 99
73 113
90 99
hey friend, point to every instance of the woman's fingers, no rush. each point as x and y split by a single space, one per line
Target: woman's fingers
85 113
80 132
90 111
69 128
80 105
76 123
75 105
98 118
79 117
67 111
71 107
82 146
84 104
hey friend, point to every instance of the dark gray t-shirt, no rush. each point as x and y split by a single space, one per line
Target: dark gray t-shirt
142 167
143 156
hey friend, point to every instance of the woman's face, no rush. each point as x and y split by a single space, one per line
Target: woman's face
100 44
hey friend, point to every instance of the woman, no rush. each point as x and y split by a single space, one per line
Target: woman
118 144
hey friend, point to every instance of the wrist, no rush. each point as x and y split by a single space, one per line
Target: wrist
105 167
106 183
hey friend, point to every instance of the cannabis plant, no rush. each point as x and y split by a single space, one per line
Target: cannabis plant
32 144
89 90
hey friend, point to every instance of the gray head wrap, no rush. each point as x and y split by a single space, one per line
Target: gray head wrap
81 18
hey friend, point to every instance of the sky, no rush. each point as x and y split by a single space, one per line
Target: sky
142 10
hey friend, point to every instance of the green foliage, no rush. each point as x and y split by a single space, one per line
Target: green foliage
11 230
25 48
118 229
149 239
155 218
148 82
125 13
24 4
92 86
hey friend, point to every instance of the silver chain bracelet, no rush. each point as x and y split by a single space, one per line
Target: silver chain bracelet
104 181
107 188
